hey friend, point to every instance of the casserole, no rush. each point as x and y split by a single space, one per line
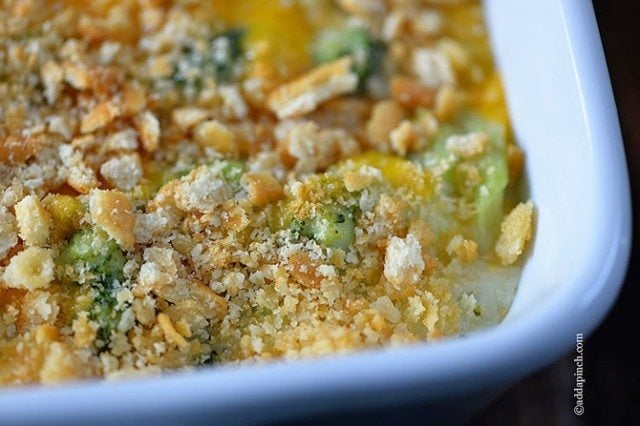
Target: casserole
583 231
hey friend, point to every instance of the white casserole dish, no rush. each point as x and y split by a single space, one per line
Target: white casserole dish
565 119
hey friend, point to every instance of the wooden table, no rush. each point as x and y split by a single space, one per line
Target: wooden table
612 390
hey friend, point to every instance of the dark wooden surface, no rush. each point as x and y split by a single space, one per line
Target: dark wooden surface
611 364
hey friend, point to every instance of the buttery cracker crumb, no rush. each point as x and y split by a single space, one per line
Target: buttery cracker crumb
233 104
8 234
403 263
214 134
385 117
432 67
123 140
112 211
357 180
262 188
313 148
60 364
464 249
33 221
170 333
84 331
447 103
30 269
469 145
515 231
98 117
386 307
203 190
304 94
78 174
122 172
187 117
403 138
76 76
148 126
52 76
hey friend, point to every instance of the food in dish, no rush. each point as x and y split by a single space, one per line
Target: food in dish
190 183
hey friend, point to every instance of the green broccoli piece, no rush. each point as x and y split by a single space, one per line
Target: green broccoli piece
222 59
232 171
487 195
104 312
226 54
92 252
367 53
96 262
331 227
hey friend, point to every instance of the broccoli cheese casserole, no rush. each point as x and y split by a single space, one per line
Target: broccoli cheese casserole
185 183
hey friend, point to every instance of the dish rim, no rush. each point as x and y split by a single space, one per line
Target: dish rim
437 370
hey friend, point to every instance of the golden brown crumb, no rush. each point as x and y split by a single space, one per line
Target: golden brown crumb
516 229
30 269
262 187
33 221
112 211
304 94
385 117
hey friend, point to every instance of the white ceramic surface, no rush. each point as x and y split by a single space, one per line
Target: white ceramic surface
565 118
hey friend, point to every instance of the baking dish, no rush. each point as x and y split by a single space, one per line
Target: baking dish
564 118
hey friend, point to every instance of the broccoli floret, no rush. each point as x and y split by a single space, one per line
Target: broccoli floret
226 54
367 53
331 226
222 59
104 312
232 171
96 262
90 252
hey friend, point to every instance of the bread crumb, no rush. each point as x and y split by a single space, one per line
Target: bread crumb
515 231
464 249
361 178
469 145
262 187
187 117
202 190
170 333
8 234
31 269
447 103
79 176
305 93
385 306
84 331
33 221
432 67
123 172
214 134
60 364
112 211
148 127
404 138
385 117
101 115
403 263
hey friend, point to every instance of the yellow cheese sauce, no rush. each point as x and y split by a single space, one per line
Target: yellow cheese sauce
186 184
